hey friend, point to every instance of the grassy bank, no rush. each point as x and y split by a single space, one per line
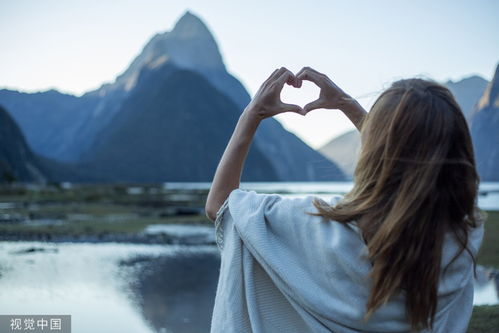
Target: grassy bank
485 319
489 252
95 210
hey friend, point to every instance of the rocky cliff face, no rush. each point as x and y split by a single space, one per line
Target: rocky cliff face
485 131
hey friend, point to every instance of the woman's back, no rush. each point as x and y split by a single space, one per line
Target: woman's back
415 181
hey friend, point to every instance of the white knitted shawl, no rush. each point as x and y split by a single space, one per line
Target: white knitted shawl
285 271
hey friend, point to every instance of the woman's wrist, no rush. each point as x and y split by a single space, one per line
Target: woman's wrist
250 113
353 110
348 103
246 126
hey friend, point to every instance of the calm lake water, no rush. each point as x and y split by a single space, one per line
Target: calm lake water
111 287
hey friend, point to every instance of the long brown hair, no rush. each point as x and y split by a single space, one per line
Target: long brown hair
415 179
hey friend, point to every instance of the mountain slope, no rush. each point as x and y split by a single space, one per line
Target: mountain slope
173 127
485 131
17 161
344 150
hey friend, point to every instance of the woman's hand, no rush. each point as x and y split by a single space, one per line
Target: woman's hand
267 101
330 97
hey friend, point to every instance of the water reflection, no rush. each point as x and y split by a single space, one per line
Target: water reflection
111 287
176 293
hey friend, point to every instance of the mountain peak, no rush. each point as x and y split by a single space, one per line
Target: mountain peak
490 97
190 26
188 45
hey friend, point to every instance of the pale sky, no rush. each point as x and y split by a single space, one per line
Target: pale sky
76 45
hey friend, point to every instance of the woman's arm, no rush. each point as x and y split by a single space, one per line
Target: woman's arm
332 97
228 174
266 103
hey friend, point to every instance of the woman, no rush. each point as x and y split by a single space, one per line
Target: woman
395 254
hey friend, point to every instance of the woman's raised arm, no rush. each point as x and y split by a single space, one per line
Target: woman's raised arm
265 104
332 97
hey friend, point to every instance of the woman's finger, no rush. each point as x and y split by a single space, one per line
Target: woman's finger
309 69
271 76
315 71
286 77
317 104
310 75
292 108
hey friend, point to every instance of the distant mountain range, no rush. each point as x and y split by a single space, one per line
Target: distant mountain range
168 117
479 102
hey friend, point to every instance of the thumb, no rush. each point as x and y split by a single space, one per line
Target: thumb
317 104
292 108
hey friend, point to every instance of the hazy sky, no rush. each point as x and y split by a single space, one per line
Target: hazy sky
76 45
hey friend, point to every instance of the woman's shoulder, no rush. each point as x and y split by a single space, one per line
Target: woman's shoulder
249 208
457 262
474 238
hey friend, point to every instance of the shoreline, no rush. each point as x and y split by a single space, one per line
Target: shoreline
166 238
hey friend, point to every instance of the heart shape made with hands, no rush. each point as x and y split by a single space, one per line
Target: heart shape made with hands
301 96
